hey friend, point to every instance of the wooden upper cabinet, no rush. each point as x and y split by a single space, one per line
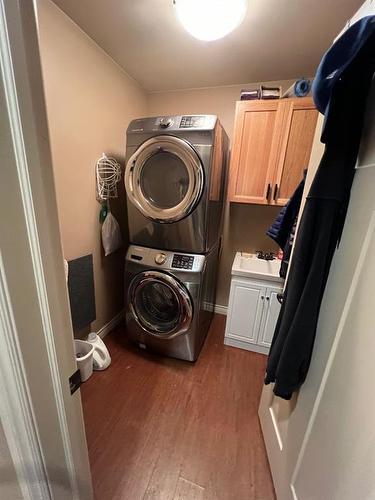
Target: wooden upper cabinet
272 146
254 152
296 144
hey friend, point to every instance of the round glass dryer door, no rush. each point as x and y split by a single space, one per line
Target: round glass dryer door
164 179
160 304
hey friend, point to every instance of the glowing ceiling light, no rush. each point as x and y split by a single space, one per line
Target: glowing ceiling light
210 19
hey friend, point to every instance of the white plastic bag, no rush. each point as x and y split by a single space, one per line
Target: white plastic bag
111 234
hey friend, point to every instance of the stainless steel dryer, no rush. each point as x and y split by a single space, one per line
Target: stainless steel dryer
175 181
169 300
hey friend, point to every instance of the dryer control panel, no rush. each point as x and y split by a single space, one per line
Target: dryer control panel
169 123
192 121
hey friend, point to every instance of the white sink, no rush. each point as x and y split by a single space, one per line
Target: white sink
249 265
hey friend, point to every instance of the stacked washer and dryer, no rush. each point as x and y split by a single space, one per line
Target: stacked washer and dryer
175 184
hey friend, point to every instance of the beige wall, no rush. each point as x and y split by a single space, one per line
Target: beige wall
244 225
90 101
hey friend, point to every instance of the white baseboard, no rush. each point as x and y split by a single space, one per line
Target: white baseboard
246 345
218 309
105 329
221 309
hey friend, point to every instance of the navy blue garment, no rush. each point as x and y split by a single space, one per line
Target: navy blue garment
335 62
281 228
275 231
324 212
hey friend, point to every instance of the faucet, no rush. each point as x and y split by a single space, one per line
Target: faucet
269 256
265 255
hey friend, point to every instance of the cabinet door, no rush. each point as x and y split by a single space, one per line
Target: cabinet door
246 303
271 313
257 137
295 149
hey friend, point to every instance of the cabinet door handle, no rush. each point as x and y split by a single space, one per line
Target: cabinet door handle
267 298
269 189
262 297
275 192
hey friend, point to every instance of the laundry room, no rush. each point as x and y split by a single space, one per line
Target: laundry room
185 140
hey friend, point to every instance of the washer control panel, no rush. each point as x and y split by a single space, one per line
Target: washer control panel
152 258
182 261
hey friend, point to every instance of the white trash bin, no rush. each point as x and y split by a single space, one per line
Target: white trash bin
84 357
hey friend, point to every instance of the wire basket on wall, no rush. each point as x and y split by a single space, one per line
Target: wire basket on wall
108 174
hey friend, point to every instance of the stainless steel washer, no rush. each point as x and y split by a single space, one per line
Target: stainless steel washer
169 300
174 179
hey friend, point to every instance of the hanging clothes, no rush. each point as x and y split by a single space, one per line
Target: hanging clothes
287 252
283 228
340 91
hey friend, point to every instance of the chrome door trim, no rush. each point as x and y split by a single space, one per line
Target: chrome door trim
185 152
179 291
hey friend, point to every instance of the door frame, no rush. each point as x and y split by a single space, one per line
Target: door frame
285 458
42 421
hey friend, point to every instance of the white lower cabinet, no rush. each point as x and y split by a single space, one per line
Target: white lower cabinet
252 314
270 315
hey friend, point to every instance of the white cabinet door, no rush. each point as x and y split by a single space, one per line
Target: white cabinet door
246 306
270 316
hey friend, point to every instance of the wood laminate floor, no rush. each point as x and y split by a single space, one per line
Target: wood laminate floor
164 429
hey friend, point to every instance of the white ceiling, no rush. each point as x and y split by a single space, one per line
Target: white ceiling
279 39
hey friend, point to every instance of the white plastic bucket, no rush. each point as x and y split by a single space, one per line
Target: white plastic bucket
84 357
101 357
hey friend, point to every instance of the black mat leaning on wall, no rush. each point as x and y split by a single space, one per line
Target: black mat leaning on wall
81 291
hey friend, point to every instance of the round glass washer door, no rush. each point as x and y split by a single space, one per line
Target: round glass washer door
160 304
164 179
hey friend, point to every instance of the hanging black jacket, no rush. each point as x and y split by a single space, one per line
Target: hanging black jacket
283 228
280 229
325 209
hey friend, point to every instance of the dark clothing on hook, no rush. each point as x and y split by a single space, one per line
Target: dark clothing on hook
280 230
283 228
287 252
277 231
323 218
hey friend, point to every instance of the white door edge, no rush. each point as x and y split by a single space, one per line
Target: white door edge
16 411
359 267
34 466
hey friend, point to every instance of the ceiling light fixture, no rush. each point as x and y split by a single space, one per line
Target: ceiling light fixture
210 19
